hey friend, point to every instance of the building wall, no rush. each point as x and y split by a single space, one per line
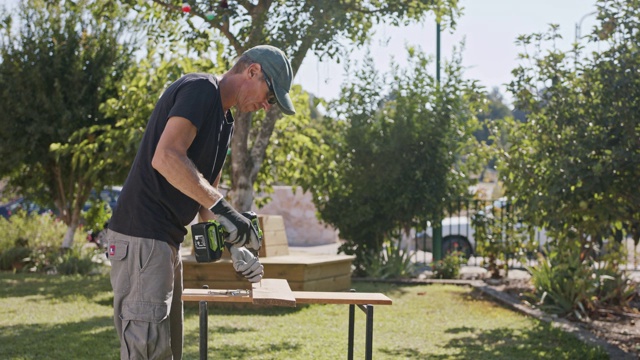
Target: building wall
299 214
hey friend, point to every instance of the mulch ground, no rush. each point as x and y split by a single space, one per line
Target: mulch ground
619 327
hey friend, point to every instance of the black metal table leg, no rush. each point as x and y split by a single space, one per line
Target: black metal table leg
352 317
369 339
204 329
368 310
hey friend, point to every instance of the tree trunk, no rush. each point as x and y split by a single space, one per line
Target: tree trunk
73 216
67 242
245 163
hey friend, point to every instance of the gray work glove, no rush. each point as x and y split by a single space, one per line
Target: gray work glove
246 264
241 231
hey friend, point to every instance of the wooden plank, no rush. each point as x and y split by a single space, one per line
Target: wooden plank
336 283
271 222
307 272
296 258
302 297
303 272
306 259
327 270
273 292
221 270
315 297
274 241
291 272
276 236
270 249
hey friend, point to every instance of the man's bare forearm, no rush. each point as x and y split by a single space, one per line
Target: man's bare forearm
182 174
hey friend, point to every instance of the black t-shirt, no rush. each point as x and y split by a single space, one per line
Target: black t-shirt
149 206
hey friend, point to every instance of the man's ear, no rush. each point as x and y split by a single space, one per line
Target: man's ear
253 70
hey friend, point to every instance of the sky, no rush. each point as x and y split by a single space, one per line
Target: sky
488 27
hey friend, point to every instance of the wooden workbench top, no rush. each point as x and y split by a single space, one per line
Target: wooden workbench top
277 292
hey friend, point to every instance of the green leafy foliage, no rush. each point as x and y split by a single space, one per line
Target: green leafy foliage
297 147
30 231
575 162
295 26
393 262
79 260
14 258
496 110
34 241
397 156
97 216
498 232
571 282
449 266
563 283
60 61
615 288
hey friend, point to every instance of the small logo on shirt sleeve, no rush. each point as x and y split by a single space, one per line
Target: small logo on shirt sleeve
112 250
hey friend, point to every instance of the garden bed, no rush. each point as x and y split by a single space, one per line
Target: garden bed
617 327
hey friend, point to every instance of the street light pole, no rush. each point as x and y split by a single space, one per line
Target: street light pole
577 36
437 224
438 53
579 24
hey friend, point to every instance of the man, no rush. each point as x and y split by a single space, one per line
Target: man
174 177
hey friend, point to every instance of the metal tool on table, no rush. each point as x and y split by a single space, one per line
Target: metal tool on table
209 238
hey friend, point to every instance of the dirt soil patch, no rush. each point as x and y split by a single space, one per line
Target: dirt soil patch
619 327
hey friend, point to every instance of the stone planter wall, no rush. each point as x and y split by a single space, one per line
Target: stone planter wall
302 226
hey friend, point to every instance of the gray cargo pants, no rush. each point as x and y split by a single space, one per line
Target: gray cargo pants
146 277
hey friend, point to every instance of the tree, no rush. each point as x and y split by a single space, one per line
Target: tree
297 27
399 156
59 64
496 110
576 161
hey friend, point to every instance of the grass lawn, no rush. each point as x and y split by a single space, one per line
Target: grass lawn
56 317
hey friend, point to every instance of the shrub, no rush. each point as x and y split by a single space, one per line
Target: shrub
14 258
38 237
392 262
37 230
44 259
614 286
79 260
563 283
97 216
569 283
497 233
449 267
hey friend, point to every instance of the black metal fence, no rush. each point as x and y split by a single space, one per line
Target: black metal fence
480 229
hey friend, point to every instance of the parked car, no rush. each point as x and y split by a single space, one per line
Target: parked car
109 194
458 231
10 208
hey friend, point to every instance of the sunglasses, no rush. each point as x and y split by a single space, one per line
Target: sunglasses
272 95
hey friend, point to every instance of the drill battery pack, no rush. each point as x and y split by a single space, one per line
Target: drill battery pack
208 237
208 241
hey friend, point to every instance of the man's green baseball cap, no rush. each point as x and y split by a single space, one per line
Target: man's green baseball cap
278 69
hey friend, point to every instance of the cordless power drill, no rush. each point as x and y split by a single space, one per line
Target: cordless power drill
209 237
